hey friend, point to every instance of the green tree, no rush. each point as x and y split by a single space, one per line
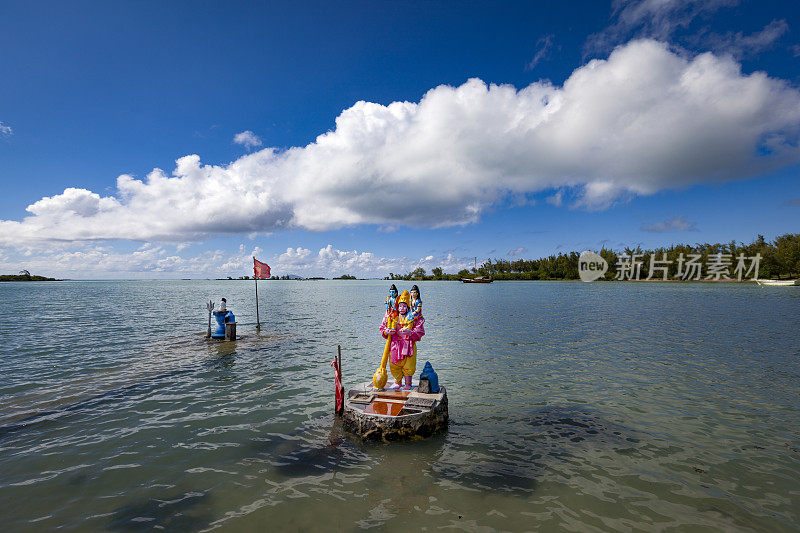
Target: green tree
787 253
417 273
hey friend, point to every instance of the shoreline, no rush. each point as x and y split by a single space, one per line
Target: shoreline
578 280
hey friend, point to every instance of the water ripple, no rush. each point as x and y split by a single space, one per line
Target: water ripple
589 407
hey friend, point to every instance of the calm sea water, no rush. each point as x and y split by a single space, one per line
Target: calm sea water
582 407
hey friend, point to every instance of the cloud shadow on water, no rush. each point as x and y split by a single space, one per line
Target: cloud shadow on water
516 460
102 399
181 512
307 453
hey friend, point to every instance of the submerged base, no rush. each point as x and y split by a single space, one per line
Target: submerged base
388 415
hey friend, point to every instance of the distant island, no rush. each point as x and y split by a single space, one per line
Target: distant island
24 275
290 277
779 258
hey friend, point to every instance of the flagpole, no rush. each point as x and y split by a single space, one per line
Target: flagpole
258 320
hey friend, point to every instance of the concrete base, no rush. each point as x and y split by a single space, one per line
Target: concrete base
411 422
230 331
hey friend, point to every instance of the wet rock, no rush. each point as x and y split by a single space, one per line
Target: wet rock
392 428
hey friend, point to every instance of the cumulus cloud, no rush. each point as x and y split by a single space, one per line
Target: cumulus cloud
79 202
331 262
153 260
5 130
679 223
643 120
248 139
97 261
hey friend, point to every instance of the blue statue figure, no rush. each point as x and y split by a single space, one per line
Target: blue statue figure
223 316
391 300
416 302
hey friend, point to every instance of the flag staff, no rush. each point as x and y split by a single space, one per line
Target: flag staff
260 270
258 320
255 277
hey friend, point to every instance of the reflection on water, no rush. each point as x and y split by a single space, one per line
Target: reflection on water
573 406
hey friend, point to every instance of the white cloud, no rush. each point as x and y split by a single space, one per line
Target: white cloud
657 19
5 130
556 199
544 45
149 260
739 45
248 139
242 261
331 262
517 251
679 223
672 21
73 202
644 120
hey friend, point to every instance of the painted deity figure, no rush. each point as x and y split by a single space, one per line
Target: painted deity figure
416 301
391 300
403 344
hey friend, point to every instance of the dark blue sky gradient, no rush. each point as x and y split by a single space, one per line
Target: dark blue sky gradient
96 89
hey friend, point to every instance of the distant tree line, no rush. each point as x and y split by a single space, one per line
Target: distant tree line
778 259
24 275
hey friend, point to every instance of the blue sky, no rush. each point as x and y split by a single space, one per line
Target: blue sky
670 138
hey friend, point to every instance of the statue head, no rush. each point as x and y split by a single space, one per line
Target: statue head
393 291
415 292
404 303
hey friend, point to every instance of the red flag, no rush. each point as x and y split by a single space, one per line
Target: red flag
337 383
260 270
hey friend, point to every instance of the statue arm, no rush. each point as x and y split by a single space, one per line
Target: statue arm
383 327
418 330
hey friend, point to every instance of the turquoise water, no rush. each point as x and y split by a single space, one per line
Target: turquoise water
585 407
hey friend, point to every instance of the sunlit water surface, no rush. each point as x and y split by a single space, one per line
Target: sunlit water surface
573 406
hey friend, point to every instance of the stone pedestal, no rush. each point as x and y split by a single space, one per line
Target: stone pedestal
423 419
230 331
424 386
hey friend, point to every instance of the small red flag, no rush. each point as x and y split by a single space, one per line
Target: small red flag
260 270
337 384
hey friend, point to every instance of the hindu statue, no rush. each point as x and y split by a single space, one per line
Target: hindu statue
402 334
